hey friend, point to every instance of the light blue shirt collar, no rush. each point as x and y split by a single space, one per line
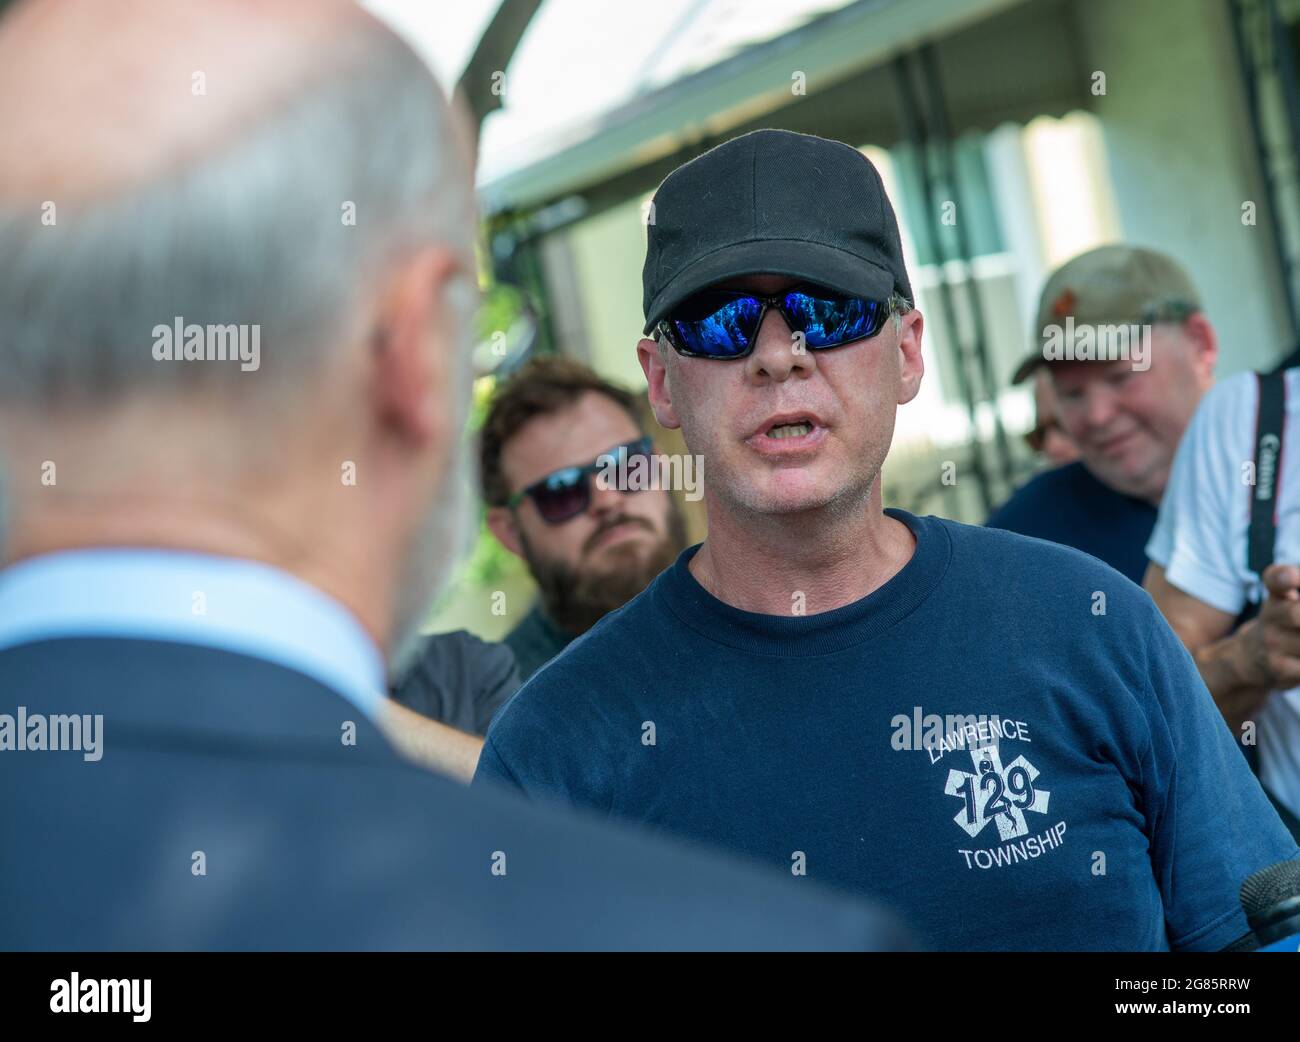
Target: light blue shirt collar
190 598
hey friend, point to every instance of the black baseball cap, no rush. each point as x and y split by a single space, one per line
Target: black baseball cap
772 201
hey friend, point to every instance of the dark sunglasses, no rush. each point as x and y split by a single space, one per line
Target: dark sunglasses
725 323
564 494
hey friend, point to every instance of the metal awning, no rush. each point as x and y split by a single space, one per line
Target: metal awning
1001 60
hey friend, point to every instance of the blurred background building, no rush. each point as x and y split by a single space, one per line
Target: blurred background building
1012 134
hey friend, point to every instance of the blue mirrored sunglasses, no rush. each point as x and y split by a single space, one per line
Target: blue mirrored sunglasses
725 323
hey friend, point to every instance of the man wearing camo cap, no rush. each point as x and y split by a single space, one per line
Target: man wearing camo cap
1122 337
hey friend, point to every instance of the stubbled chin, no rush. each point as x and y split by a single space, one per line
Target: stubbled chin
793 499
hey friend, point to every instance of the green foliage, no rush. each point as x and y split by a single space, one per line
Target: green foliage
500 307
489 562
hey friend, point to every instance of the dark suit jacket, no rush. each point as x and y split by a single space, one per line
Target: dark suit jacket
312 843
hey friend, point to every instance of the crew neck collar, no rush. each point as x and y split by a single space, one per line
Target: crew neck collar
821 633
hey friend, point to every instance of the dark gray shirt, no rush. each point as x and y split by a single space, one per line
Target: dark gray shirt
458 680
536 641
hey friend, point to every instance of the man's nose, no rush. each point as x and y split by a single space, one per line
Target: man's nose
605 496
1098 405
778 353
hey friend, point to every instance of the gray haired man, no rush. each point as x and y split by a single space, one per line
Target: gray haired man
217 557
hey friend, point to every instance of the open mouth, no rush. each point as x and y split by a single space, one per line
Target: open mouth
788 435
790 430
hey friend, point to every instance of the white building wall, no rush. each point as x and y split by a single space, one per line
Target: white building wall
1182 160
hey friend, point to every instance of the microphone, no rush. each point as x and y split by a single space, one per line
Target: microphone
1271 900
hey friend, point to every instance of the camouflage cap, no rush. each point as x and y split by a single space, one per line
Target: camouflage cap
1111 285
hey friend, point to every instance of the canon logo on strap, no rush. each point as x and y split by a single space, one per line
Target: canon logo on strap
1268 448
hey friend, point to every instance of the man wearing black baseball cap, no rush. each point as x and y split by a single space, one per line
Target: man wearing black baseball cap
999 736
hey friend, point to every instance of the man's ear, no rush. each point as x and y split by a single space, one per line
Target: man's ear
1206 347
911 364
501 523
414 343
655 367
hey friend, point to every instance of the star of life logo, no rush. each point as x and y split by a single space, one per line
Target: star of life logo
997 793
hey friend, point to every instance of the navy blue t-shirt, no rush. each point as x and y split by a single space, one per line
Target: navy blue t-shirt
1067 505
1005 742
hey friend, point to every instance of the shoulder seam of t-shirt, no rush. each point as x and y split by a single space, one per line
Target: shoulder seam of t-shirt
1144 711
505 767
507 705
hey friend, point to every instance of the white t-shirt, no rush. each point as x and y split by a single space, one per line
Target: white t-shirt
1200 538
